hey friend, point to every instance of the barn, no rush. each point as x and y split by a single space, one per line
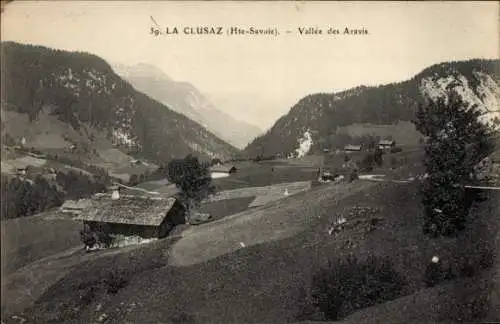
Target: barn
145 217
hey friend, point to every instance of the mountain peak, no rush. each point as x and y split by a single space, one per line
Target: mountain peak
185 98
76 96
141 70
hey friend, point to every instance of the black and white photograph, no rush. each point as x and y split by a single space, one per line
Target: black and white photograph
260 162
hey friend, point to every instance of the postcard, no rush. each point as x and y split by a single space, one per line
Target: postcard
250 161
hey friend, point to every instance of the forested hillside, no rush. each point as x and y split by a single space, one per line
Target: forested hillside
321 118
82 91
185 99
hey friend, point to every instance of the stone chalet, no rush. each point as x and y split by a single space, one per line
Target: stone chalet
134 215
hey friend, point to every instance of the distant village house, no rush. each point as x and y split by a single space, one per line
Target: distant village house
352 148
222 171
216 161
386 144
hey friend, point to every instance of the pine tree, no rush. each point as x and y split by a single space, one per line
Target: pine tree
456 141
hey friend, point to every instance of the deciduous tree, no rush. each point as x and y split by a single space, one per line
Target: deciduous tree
192 177
456 141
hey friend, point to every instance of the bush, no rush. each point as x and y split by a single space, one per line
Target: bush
96 234
347 285
134 180
435 273
114 282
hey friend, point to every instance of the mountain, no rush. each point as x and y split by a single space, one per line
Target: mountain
328 120
55 99
184 98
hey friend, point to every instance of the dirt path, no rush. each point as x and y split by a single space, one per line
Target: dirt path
275 221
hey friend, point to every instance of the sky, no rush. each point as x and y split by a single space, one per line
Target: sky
258 78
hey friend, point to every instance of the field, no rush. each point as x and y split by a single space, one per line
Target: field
250 265
208 277
28 239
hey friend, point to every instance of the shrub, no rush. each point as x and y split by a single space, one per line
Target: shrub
346 285
114 282
134 180
377 157
435 273
353 175
96 234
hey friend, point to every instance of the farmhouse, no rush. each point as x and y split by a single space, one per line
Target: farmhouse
222 171
352 148
386 144
134 215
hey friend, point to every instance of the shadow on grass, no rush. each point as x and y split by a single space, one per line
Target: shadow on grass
348 284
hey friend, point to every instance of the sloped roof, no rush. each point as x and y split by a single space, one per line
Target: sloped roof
352 147
386 142
76 204
222 168
134 210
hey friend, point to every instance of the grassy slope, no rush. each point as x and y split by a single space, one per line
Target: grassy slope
223 208
260 283
27 239
263 174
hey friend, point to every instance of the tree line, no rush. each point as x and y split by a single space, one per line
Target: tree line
24 197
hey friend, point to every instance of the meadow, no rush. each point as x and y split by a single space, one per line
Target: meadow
254 265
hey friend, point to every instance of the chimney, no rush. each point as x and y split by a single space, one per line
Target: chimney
115 195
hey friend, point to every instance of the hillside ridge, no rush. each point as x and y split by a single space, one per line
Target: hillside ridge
320 119
184 98
81 90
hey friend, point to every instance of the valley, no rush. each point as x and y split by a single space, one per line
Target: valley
150 179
